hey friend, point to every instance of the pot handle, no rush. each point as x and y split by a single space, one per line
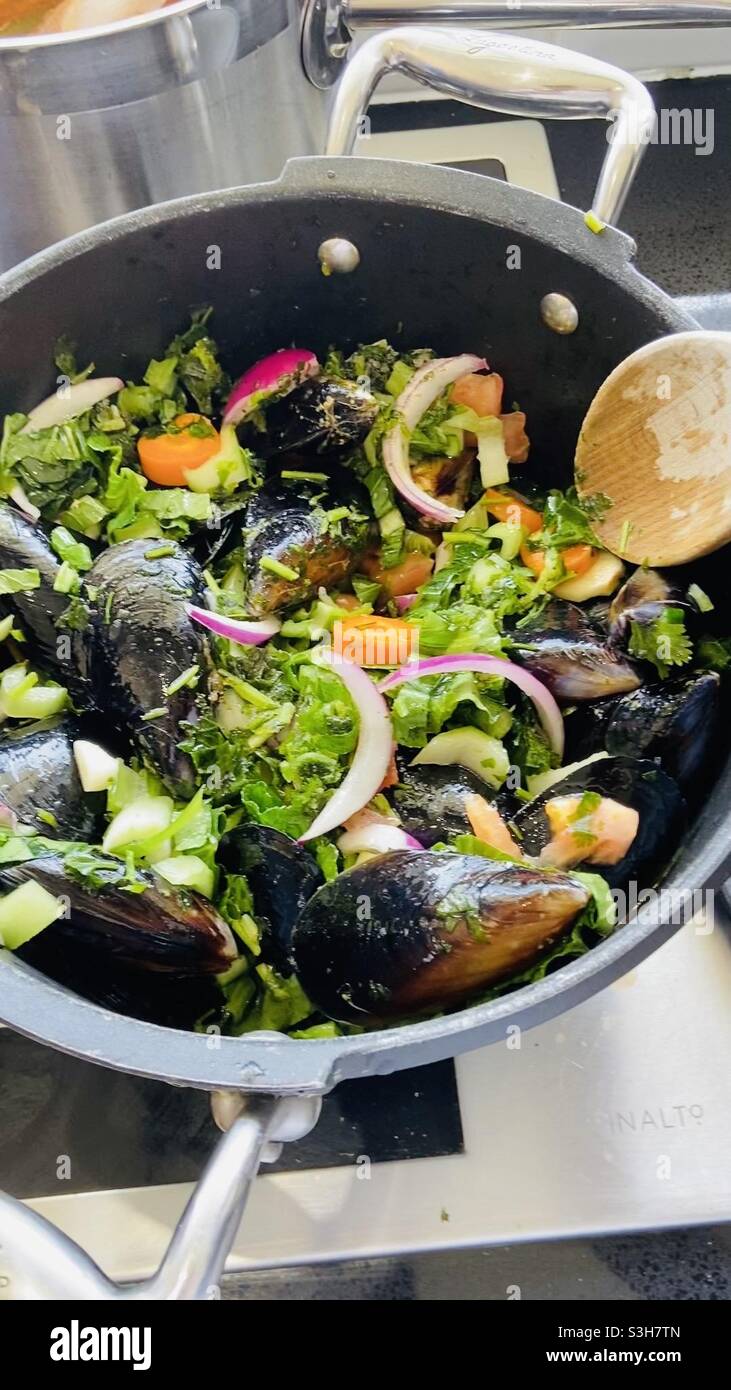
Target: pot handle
506 73
37 1261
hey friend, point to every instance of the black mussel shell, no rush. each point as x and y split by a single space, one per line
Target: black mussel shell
222 533
564 651
411 932
24 545
282 876
160 929
676 720
288 522
430 801
38 773
175 1001
635 782
140 639
320 416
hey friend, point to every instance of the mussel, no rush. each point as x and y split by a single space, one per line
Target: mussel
448 480
317 531
175 1001
322 415
634 782
642 600
430 800
411 932
158 929
38 775
675 721
565 651
282 875
24 545
139 642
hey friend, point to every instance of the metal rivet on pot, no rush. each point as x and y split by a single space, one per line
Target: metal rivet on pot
559 314
338 256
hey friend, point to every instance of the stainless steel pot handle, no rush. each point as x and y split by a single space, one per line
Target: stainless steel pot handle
329 26
37 1261
506 73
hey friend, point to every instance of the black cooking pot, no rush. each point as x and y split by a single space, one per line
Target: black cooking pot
450 260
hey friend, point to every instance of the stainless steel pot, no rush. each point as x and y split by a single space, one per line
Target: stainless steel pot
204 94
424 234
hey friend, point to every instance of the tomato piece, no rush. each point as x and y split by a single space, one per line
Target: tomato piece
514 511
576 558
517 443
488 825
404 578
483 394
165 458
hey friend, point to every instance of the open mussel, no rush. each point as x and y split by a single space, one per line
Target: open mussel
282 876
322 415
675 721
411 932
566 652
642 600
40 783
315 531
430 800
632 782
139 642
160 929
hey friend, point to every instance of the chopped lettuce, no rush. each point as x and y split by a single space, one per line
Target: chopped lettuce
19 581
71 551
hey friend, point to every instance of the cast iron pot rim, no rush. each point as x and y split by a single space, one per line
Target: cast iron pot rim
272 1062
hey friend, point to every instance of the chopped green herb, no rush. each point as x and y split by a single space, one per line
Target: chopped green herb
701 600
159 552
663 642
158 713
273 566
189 677
302 475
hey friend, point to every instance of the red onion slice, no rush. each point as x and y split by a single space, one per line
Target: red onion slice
241 630
377 839
546 708
373 752
405 601
76 400
425 386
8 818
280 371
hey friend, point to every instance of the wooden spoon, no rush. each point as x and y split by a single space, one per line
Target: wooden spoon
656 441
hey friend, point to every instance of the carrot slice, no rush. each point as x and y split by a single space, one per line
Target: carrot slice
576 558
512 510
372 640
165 458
